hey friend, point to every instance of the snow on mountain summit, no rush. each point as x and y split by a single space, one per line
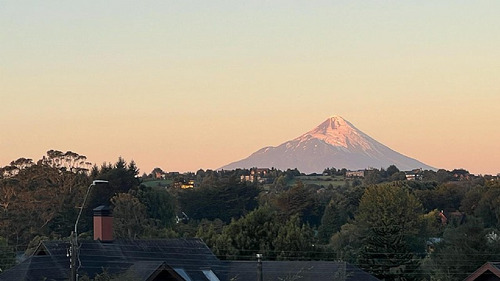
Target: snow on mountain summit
339 132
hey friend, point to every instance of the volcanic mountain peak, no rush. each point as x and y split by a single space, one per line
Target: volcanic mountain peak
334 143
338 132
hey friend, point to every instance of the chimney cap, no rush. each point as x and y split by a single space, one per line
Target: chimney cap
102 211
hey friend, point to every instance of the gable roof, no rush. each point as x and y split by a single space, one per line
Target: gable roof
489 271
150 270
37 268
296 270
143 258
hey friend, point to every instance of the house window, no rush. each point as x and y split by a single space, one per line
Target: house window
183 274
210 275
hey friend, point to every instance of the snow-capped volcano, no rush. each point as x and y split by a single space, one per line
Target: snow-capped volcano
334 143
338 132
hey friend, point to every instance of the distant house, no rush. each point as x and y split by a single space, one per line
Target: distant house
355 174
256 174
461 175
166 259
490 271
412 175
184 185
159 175
189 184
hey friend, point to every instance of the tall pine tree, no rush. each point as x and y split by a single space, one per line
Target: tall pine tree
389 218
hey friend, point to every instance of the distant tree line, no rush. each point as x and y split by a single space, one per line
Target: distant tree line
442 226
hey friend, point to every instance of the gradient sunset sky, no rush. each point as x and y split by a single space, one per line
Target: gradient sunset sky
184 85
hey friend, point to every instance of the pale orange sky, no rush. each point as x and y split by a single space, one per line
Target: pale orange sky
184 85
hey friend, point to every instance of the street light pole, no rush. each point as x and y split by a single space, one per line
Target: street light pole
74 234
259 267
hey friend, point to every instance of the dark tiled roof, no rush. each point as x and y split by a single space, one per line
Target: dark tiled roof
142 270
170 258
117 257
37 268
295 270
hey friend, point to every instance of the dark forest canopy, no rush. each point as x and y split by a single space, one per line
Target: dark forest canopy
391 223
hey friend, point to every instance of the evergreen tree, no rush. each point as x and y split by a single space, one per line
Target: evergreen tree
294 240
331 222
389 217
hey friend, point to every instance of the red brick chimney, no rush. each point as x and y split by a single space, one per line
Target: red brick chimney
103 224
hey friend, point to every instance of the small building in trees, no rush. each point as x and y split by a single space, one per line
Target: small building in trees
415 174
355 174
184 184
256 174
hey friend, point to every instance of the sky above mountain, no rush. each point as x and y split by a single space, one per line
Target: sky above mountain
183 85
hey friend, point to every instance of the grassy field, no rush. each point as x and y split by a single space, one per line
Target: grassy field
156 183
335 181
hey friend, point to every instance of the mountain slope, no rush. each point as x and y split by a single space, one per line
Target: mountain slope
334 143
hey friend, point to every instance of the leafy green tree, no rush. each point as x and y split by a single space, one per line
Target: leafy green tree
429 175
39 200
294 240
252 234
341 208
389 217
209 231
463 249
210 179
447 196
331 222
347 243
292 173
130 217
372 177
399 176
299 200
262 231
238 198
159 203
471 200
280 183
391 170
442 176
335 215
488 207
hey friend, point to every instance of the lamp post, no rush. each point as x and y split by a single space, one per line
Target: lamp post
259 267
74 234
